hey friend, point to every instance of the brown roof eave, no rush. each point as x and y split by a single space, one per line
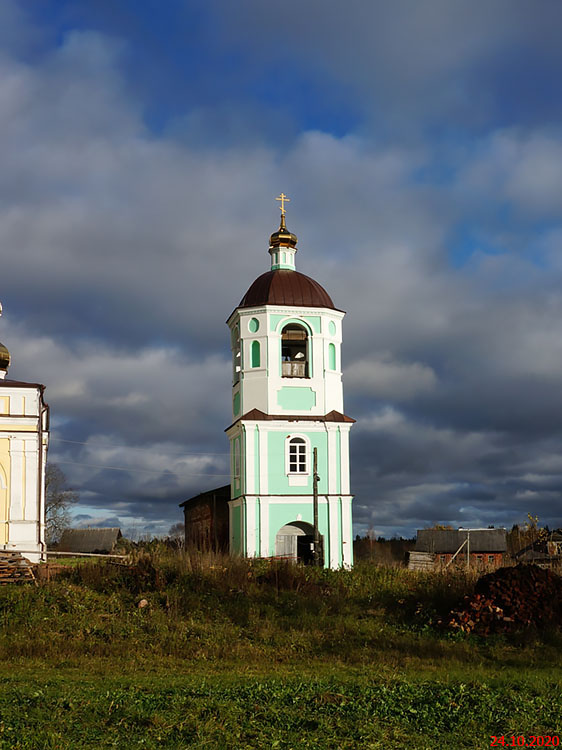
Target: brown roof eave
256 415
20 384
223 489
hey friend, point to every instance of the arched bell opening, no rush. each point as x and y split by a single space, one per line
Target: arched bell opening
294 351
236 355
295 541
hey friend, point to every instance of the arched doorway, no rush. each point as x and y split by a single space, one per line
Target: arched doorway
295 541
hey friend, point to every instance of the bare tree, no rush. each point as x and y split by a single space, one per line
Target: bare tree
59 497
176 534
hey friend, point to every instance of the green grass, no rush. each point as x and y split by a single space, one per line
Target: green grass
178 711
248 655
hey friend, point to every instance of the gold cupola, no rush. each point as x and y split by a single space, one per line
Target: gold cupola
4 360
282 243
282 237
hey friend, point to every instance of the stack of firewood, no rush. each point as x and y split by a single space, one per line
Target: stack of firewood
511 599
14 568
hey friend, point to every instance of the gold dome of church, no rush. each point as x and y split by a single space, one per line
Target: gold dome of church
282 237
4 357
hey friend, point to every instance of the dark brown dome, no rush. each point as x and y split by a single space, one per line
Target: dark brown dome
286 287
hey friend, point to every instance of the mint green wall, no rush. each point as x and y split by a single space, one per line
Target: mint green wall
296 397
274 321
256 460
338 460
278 480
340 514
284 513
314 321
236 531
351 527
236 481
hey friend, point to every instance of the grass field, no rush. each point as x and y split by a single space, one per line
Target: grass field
254 655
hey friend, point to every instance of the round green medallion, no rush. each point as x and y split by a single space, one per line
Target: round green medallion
253 325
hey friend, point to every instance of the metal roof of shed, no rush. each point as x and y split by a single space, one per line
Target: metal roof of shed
89 540
443 541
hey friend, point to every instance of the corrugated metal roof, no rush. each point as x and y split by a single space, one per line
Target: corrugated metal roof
221 493
442 541
89 540
530 554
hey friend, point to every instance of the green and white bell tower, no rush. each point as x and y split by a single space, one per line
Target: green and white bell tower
287 399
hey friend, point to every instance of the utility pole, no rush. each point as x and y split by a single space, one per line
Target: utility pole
315 478
468 549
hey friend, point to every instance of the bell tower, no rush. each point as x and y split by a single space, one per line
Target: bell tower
287 399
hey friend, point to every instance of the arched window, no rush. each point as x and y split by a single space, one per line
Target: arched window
294 352
331 356
297 458
255 358
237 457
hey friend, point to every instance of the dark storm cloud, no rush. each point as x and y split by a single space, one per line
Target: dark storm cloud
124 251
413 65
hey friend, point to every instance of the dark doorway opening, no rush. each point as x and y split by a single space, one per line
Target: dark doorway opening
305 550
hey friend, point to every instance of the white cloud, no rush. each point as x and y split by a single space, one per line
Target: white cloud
521 168
145 394
124 252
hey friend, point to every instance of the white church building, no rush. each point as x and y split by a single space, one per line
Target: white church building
24 436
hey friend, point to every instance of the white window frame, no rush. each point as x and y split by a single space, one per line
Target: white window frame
297 478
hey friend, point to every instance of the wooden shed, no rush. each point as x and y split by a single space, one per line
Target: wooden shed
95 541
437 548
206 520
545 551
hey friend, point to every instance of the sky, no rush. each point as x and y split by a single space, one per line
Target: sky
143 144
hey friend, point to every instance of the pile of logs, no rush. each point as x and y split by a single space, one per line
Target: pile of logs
14 568
511 599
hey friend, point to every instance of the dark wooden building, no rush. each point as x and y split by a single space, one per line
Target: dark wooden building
206 520
438 547
545 551
93 541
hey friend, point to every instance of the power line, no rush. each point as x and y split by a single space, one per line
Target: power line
131 500
136 469
132 447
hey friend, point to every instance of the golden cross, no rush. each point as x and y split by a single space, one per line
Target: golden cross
283 198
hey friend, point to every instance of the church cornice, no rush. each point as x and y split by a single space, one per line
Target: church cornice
20 384
256 415
288 310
